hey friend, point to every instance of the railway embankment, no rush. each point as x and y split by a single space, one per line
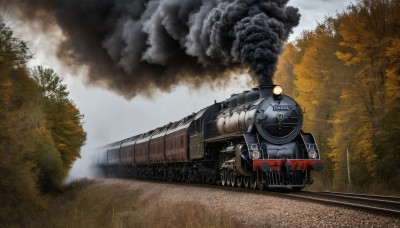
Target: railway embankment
135 203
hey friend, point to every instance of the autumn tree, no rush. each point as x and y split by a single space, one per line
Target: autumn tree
388 146
36 148
63 118
20 117
320 75
346 77
284 75
368 29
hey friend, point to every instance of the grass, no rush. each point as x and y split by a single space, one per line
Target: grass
87 203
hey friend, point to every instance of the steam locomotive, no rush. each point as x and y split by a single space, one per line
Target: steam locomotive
253 140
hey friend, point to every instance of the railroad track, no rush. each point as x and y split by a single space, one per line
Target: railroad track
386 205
380 197
373 203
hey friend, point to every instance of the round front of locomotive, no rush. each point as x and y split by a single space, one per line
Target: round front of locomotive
279 119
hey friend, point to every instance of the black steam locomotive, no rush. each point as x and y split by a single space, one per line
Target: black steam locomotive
251 140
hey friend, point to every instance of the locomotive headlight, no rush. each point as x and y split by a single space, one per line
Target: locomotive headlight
312 154
277 90
256 154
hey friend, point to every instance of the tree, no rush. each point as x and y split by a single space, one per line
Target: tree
346 78
18 187
50 84
319 77
63 118
30 161
388 149
284 72
368 29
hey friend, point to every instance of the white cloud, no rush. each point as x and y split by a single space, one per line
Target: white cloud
313 12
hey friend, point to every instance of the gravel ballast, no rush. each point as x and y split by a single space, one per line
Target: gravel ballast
257 210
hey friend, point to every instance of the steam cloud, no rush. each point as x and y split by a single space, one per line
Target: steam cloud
134 46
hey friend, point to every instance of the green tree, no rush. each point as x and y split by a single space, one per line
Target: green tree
50 84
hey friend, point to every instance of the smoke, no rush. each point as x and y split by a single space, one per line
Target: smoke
85 166
134 46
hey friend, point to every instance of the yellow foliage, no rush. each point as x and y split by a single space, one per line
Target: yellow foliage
392 83
347 78
346 57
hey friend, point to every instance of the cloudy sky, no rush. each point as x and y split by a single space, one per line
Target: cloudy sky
109 117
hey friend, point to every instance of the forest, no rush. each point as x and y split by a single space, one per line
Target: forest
40 131
346 76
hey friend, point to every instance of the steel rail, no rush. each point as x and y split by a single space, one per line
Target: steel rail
297 195
389 198
364 198
347 204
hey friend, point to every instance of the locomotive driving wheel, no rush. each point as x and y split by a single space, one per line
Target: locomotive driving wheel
246 182
233 178
260 181
228 178
239 181
223 178
253 182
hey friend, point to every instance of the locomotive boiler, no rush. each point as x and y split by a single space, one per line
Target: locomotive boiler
253 140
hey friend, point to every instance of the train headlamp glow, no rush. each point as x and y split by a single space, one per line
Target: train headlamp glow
256 154
277 90
312 154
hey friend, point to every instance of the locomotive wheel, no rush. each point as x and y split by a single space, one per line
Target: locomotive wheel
213 179
228 178
216 179
178 177
239 181
260 181
246 182
202 178
260 185
253 182
184 178
223 178
207 178
233 179
170 176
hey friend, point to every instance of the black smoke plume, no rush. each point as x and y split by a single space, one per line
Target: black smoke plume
134 46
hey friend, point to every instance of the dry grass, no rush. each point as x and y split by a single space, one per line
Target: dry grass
92 204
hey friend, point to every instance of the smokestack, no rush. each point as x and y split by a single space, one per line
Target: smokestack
134 46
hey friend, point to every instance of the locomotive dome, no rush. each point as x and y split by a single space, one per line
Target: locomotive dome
278 117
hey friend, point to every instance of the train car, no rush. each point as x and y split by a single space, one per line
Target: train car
127 151
253 139
113 154
102 156
127 158
177 141
142 148
157 145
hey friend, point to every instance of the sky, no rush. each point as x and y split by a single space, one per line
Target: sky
110 117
